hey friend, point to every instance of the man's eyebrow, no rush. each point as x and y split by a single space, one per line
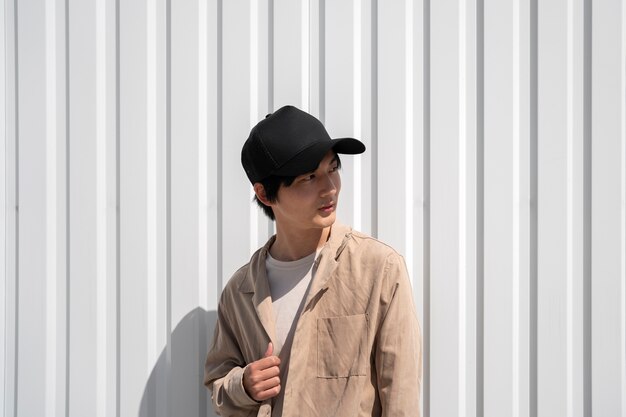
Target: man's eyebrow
306 173
335 159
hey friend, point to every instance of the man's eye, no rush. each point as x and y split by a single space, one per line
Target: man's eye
308 177
335 168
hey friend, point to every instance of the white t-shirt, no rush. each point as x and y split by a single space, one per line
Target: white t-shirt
288 283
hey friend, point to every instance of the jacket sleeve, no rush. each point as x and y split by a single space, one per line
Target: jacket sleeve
223 372
398 355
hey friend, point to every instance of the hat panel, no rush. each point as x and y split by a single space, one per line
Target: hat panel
288 136
256 159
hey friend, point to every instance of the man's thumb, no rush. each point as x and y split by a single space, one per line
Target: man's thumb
270 350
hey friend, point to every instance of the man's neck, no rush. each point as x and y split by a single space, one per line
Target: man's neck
291 245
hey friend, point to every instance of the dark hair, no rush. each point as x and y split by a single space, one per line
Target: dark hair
272 184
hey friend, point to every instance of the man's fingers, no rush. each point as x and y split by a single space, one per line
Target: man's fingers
259 375
268 393
269 351
265 363
266 385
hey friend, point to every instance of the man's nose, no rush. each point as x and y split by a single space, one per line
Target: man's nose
329 186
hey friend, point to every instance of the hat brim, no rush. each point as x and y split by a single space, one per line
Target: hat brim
308 159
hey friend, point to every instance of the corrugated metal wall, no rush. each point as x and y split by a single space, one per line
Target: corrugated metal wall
496 163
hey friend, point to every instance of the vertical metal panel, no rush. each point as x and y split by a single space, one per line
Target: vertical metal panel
108 173
524 199
395 129
57 232
11 278
213 60
453 185
561 215
365 93
34 277
507 208
501 202
189 158
421 271
553 193
533 232
135 342
291 53
202 52
343 114
470 190
262 80
212 94
317 45
185 156
236 122
157 397
577 215
91 189
3 201
87 242
446 332
608 250
4 208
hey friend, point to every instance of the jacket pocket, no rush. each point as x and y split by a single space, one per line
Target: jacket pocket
342 346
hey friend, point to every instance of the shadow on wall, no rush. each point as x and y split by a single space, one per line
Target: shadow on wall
182 394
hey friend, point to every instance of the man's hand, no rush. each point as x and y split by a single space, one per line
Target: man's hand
261 378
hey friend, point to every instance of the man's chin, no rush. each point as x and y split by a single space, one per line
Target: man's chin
329 220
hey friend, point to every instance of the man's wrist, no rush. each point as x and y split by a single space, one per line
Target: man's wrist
236 388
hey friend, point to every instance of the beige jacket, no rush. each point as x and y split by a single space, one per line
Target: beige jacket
356 349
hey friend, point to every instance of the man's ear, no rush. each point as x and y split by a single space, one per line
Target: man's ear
259 190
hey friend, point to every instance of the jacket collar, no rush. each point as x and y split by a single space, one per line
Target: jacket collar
256 276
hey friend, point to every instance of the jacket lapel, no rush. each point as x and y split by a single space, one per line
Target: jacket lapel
257 284
326 262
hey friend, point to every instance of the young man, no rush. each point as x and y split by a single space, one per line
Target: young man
321 321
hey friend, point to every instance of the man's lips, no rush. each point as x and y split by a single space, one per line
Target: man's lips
327 207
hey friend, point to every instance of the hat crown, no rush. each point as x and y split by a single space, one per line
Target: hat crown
289 142
287 132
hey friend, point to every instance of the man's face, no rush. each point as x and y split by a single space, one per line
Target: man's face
311 201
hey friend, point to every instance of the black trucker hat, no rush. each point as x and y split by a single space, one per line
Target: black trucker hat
290 142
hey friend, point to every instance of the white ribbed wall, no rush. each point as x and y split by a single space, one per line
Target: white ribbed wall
496 163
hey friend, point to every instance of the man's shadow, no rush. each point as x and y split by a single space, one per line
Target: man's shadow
175 388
